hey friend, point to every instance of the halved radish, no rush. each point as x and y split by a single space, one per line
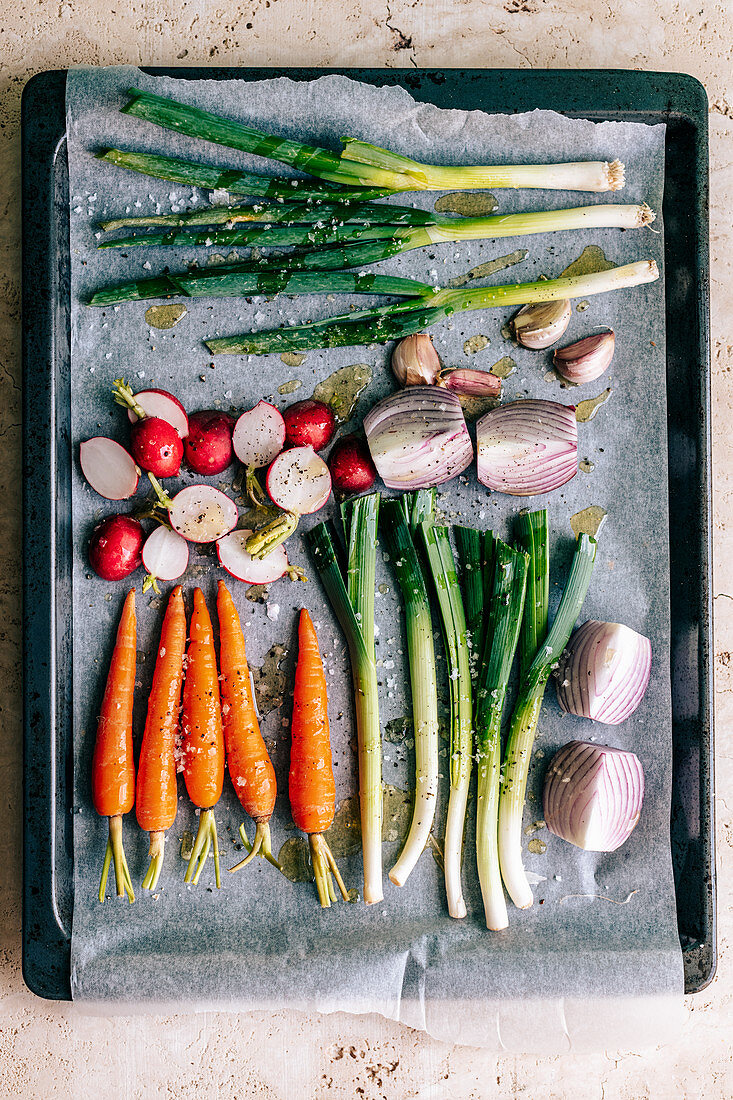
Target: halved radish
164 405
201 513
165 556
299 481
238 563
109 468
259 435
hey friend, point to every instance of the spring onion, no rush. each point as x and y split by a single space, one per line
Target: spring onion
453 620
468 547
592 795
396 526
531 536
352 599
395 321
362 164
524 724
502 634
374 226
604 672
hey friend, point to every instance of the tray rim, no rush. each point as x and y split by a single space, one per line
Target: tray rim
46 944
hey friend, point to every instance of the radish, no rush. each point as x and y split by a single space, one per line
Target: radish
259 436
351 466
114 548
208 448
156 445
109 468
164 405
200 513
298 481
309 424
233 557
165 556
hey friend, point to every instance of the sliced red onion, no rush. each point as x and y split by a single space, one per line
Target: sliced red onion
527 447
592 796
604 672
418 438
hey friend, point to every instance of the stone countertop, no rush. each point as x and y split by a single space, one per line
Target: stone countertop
49 1049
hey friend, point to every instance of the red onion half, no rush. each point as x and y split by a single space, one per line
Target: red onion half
527 447
593 795
418 437
604 672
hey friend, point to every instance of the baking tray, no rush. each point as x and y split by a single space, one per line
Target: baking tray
675 99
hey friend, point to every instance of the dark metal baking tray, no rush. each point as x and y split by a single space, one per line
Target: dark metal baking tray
673 98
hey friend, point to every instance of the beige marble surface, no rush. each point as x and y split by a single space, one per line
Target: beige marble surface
50 1050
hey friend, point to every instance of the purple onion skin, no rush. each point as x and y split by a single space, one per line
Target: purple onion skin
418 438
593 795
604 672
527 447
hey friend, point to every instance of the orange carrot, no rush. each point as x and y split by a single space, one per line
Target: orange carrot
250 768
113 767
312 786
202 739
157 787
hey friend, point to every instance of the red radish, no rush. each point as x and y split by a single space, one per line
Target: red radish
298 481
156 446
165 406
200 513
259 435
208 448
309 424
114 548
238 563
165 556
351 466
108 468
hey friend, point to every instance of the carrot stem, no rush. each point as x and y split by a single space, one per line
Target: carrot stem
115 853
260 845
268 855
156 853
324 866
206 837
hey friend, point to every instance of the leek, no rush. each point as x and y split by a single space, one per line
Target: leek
362 164
468 546
531 535
502 634
404 318
352 599
421 657
524 723
452 615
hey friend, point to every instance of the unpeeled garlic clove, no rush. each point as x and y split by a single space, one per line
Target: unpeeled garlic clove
415 361
539 325
470 382
587 359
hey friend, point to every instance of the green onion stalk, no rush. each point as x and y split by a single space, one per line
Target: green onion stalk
232 180
352 598
502 634
404 318
398 531
452 615
412 226
524 723
468 546
228 284
531 536
363 165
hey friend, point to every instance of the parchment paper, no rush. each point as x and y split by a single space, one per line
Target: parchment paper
573 970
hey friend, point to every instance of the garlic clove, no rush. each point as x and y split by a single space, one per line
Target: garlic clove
470 382
539 325
587 359
415 361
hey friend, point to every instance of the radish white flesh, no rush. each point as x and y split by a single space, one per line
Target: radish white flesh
299 481
238 563
259 435
165 554
163 405
201 513
109 468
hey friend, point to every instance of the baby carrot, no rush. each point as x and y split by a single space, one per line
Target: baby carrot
113 767
250 768
157 787
202 739
312 786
